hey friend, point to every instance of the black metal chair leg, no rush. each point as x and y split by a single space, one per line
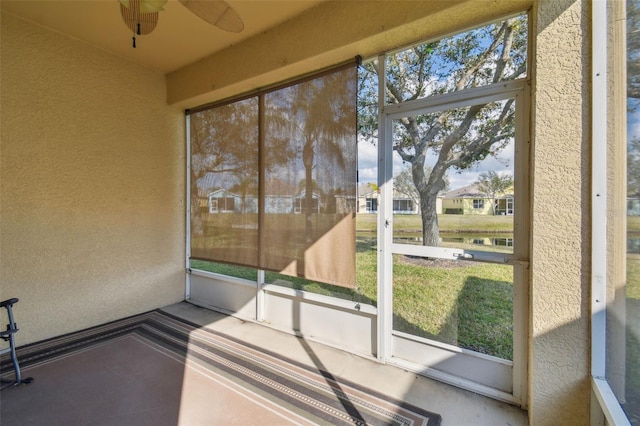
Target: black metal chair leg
9 335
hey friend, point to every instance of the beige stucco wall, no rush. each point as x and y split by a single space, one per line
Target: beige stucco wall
560 260
91 185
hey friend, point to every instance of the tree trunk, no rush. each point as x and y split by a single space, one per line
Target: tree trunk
307 159
430 229
428 188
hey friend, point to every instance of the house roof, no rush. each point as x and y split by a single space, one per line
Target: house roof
369 194
472 191
469 191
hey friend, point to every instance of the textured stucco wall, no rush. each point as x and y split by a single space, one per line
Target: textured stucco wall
559 367
91 181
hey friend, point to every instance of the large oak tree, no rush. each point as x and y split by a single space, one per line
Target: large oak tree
459 137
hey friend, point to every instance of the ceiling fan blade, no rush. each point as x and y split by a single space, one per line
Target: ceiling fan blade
216 12
140 23
148 6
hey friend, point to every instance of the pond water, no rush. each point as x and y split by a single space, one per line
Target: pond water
503 240
633 244
496 242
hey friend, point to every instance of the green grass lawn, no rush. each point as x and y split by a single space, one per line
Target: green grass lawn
633 224
470 306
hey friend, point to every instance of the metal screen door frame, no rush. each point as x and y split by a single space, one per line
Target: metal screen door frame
511 386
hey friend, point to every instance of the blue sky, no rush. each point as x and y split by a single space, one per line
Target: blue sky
633 123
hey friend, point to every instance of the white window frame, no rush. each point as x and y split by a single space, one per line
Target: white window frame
602 392
213 205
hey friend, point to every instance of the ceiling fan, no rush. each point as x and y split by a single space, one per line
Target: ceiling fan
141 16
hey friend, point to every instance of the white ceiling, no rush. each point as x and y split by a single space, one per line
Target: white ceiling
180 37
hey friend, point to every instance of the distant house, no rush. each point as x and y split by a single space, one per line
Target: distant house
368 202
224 201
300 200
471 200
291 203
344 204
633 205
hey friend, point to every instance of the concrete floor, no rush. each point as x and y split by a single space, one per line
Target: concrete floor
456 406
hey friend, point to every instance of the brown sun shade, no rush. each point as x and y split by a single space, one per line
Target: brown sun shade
273 179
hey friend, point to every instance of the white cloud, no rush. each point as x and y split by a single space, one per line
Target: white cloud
367 162
368 165
366 175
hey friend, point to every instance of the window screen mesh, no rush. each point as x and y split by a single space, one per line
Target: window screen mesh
224 183
273 180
